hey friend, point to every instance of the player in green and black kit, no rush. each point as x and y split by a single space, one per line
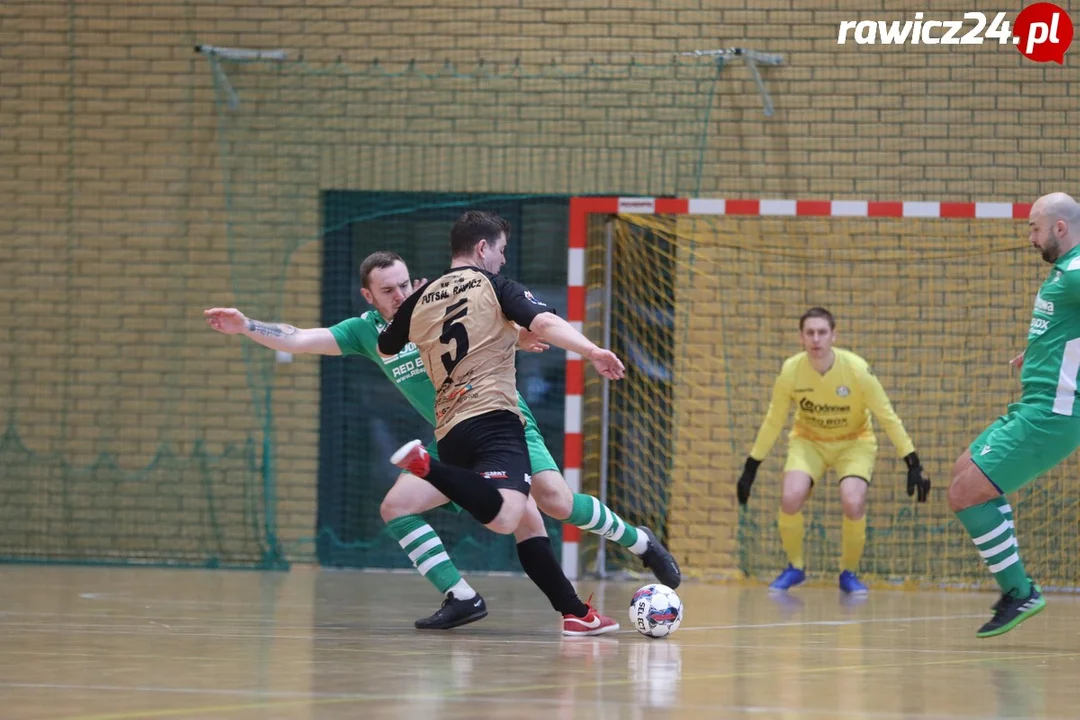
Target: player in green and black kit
1040 430
385 285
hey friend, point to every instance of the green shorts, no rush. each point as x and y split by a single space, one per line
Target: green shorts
539 457
1023 444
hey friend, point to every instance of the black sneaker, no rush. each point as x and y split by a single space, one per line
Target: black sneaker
1034 584
1010 611
657 558
454 613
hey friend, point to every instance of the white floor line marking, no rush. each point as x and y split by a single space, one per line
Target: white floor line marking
828 623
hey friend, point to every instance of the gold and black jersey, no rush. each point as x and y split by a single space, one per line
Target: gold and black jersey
462 325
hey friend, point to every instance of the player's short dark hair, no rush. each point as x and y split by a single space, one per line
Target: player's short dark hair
817 312
377 261
474 226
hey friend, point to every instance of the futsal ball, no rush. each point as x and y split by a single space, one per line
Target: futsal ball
656 611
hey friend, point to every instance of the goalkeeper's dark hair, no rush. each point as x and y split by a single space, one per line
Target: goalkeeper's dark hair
474 226
377 261
817 312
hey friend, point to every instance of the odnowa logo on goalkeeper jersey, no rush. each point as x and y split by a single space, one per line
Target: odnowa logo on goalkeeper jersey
809 406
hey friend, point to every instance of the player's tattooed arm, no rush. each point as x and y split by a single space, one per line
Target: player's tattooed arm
288 338
276 336
270 329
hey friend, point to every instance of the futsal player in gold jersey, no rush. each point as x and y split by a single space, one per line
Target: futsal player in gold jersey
835 393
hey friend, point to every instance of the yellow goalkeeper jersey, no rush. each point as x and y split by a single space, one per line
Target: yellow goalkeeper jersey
835 406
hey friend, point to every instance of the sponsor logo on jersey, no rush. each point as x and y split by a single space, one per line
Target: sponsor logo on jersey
454 394
534 301
843 390
448 397
1043 306
1038 326
408 369
809 406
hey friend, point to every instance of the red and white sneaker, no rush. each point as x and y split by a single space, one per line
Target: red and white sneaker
592 624
413 457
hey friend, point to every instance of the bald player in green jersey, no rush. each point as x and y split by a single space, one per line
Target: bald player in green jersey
1040 430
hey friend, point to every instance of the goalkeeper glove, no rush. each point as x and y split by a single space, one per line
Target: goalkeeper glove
747 479
917 479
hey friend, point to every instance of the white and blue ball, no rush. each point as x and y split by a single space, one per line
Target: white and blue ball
656 611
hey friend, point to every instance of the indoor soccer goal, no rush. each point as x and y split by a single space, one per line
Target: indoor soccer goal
701 298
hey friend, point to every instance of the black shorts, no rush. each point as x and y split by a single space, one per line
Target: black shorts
492 444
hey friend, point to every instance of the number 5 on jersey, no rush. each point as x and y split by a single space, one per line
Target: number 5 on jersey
452 329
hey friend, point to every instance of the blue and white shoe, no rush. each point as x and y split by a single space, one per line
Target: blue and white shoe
789 578
850 583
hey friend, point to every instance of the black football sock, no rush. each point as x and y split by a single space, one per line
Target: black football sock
539 563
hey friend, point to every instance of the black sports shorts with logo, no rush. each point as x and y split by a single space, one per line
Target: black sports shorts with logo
492 444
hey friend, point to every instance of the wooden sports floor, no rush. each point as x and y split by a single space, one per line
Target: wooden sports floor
112 644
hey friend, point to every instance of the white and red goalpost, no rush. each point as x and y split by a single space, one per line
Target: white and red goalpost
582 207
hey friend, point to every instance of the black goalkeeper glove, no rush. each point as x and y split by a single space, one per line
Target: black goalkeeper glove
917 479
747 479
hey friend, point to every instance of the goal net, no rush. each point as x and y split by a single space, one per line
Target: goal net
703 304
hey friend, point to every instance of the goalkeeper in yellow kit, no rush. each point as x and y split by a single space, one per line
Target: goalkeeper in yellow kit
835 393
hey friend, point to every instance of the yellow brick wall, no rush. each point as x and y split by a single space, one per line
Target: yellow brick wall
114 211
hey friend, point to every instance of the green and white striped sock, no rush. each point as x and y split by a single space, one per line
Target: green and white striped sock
424 547
591 515
991 528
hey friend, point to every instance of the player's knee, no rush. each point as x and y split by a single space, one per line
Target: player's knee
955 495
552 495
531 526
792 499
391 508
968 486
503 524
959 467
510 514
854 506
958 494
523 533
853 497
962 492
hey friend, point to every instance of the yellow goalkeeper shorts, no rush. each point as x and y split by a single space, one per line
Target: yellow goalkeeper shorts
846 457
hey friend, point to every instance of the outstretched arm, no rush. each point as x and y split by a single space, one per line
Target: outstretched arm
520 307
276 336
553 329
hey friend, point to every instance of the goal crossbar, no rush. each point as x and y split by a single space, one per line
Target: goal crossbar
581 208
